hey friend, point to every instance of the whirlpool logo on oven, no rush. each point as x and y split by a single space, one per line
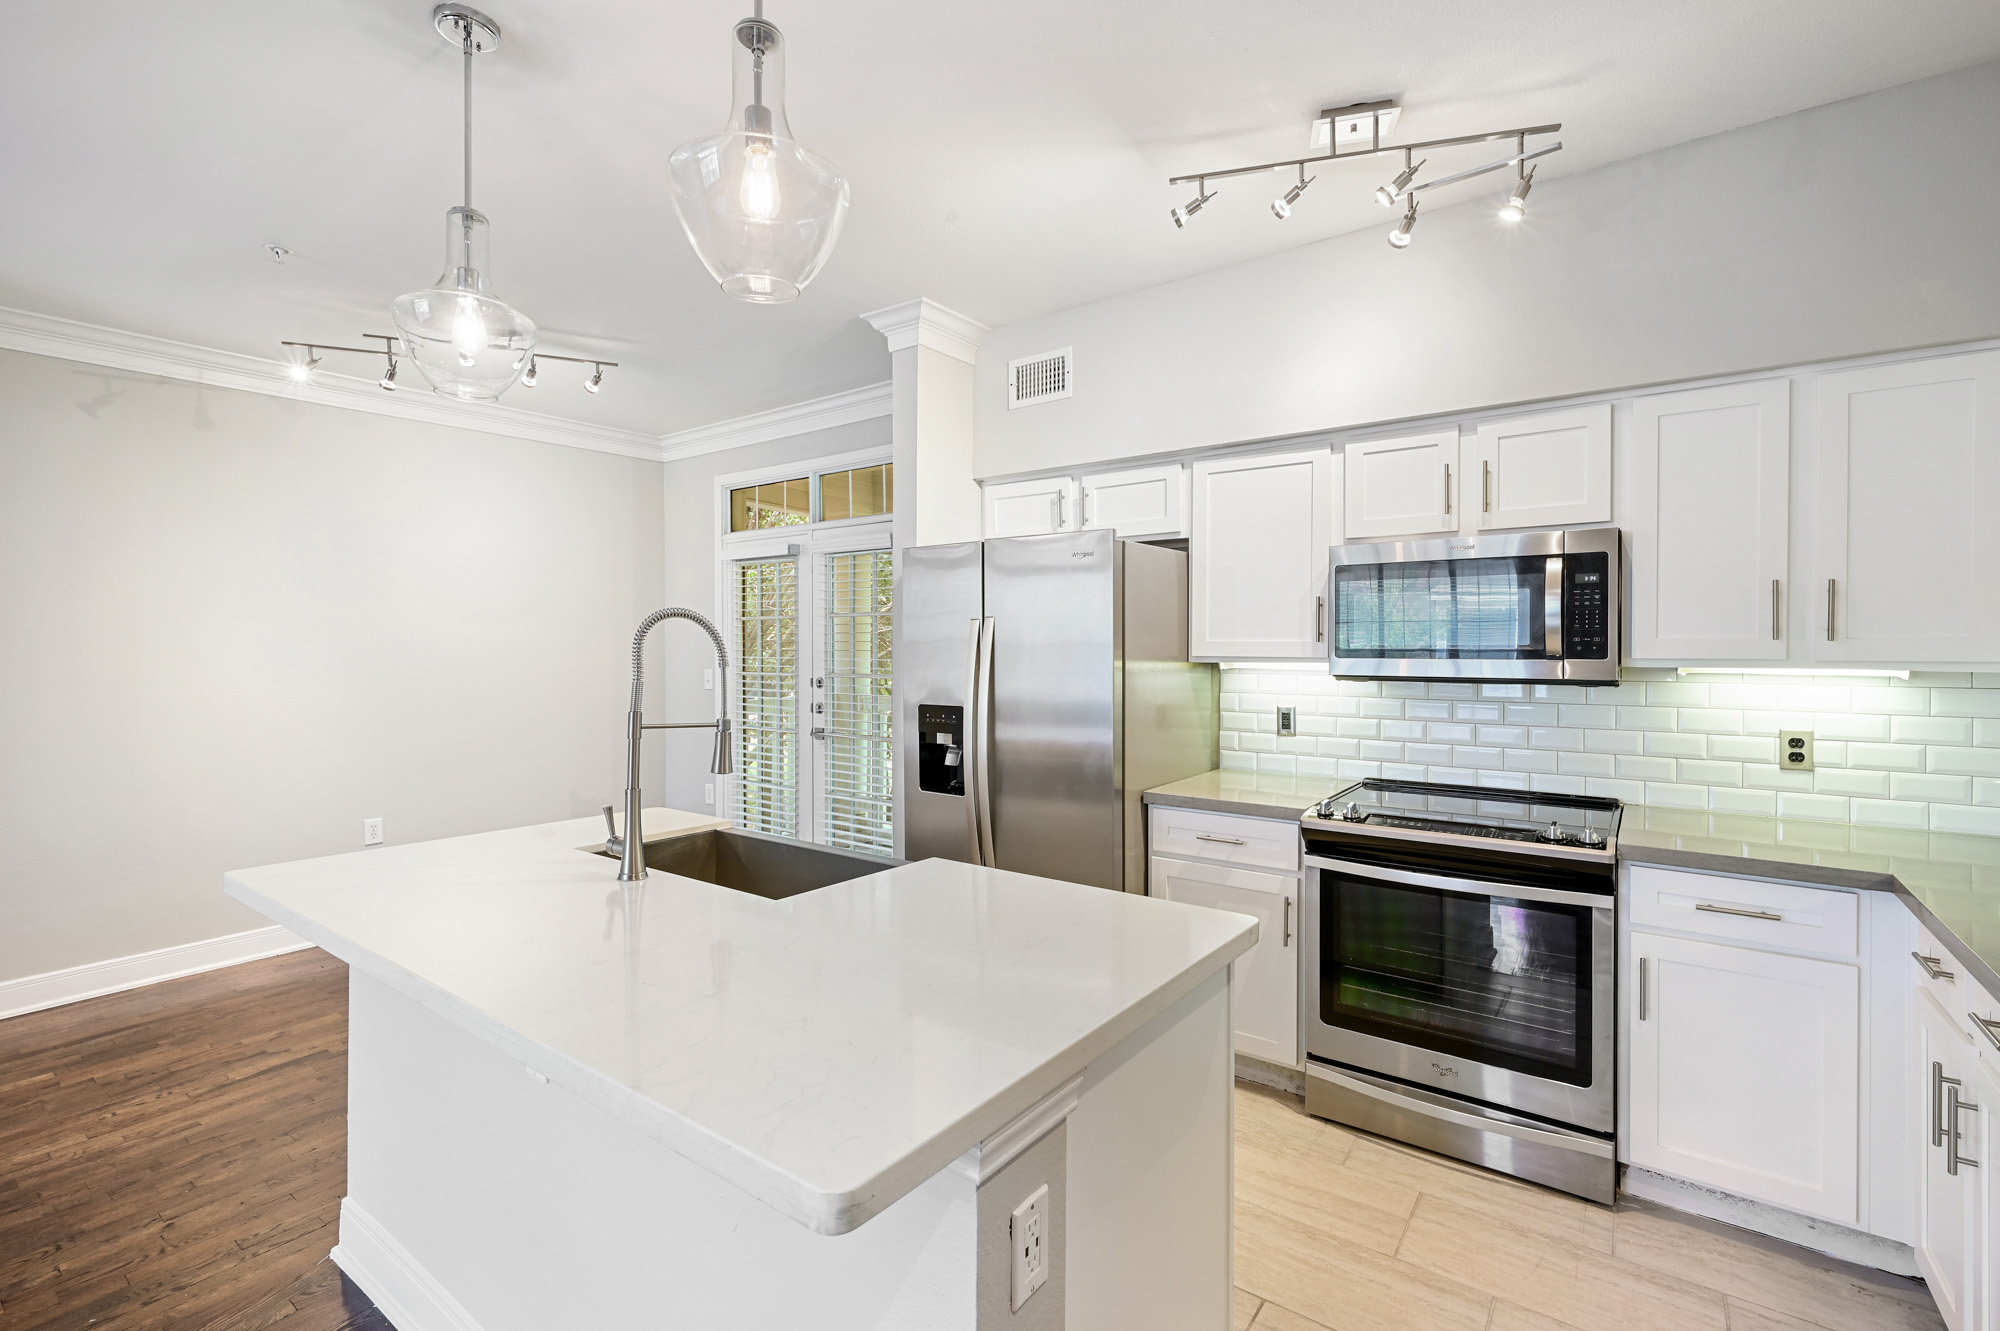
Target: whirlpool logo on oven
1444 1070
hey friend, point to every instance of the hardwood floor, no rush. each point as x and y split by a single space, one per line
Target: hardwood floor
174 1158
1340 1231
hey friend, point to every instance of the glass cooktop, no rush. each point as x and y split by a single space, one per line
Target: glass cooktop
1579 821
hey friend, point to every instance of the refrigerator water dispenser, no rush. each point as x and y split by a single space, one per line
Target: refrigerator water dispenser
941 749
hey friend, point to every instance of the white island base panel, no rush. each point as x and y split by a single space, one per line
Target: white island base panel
483 1197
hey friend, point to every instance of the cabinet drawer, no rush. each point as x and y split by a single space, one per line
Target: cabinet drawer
1225 838
1810 919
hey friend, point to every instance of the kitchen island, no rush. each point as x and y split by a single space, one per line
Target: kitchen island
575 1102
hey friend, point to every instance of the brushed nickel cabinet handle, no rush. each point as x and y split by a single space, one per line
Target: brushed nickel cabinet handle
1989 1029
1447 489
1938 1083
1485 486
1642 988
1288 931
1319 618
1934 967
1775 634
1953 1108
1223 840
1830 598
1738 910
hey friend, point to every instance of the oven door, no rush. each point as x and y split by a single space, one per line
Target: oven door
1495 992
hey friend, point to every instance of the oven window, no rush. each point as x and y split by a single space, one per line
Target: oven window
1442 609
1495 980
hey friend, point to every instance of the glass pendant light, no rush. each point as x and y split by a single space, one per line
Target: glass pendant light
761 211
464 340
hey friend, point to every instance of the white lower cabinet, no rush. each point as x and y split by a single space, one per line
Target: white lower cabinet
1948 1230
1265 981
1745 1071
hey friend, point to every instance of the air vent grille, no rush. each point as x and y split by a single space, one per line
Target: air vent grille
1042 378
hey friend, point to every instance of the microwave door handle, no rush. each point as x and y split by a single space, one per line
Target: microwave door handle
1552 608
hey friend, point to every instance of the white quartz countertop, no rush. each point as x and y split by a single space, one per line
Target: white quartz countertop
826 1053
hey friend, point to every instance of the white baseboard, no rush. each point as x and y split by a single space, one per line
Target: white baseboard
408 1295
1849 1245
32 993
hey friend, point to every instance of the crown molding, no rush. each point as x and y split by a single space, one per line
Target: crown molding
925 323
113 348
820 413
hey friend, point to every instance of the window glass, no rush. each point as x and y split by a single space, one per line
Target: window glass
772 504
864 492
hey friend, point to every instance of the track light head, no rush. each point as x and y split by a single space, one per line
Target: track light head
528 379
1400 237
591 384
389 377
1281 207
1516 206
1387 195
302 369
1192 206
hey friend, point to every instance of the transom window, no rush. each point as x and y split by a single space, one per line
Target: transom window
828 496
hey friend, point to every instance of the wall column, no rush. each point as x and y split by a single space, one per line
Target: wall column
931 354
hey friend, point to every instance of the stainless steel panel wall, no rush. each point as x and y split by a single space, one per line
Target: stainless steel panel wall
1172 708
938 598
1057 801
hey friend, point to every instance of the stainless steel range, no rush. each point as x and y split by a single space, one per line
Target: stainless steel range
1458 986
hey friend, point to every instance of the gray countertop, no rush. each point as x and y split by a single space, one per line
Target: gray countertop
1950 880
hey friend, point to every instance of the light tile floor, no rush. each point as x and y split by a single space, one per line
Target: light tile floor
1340 1231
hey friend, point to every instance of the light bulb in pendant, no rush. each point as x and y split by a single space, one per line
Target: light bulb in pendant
468 330
758 194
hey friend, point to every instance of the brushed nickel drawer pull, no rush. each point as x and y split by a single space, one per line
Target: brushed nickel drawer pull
1288 943
1774 610
1224 840
1642 988
1938 1082
1953 1107
1934 967
1989 1029
1738 910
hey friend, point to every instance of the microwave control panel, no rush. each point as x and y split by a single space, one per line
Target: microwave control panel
1586 606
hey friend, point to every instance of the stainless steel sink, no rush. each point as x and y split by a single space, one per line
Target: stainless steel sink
765 866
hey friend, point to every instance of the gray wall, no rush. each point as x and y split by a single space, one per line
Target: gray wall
1858 227
232 626
690 563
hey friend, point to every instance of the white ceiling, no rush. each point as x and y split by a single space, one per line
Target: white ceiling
1006 160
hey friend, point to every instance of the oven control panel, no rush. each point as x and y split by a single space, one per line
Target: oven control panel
1587 606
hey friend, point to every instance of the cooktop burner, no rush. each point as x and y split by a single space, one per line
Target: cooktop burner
1573 822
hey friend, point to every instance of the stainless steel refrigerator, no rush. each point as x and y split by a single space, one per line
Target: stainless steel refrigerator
1045 687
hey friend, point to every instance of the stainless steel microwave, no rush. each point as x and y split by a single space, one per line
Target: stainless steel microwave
1538 605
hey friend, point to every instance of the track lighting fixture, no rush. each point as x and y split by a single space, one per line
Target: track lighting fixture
1363 138
1281 207
1516 206
393 350
1386 195
1202 195
1400 237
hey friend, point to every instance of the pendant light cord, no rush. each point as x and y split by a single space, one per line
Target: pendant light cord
757 56
468 115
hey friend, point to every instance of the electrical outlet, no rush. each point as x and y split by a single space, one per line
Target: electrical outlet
708 794
1288 720
371 831
1029 1229
708 678
1795 750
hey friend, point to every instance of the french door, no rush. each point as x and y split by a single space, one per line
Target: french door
815 753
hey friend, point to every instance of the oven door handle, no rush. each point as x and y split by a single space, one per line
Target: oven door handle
1471 887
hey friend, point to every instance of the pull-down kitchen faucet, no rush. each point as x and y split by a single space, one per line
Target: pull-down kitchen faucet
631 847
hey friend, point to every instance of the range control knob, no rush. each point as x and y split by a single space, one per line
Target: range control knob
1554 832
1591 837
1352 813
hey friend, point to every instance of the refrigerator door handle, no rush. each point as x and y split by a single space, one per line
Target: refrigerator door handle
974 747
983 700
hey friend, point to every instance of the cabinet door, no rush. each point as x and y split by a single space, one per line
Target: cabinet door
1909 481
1710 527
1030 508
1945 1209
1262 534
1402 487
1144 501
1264 985
1548 470
1746 1073
1982 1086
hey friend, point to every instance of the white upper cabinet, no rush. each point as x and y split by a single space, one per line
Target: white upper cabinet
1142 501
1402 487
1031 508
1745 1072
1263 527
1909 483
1709 526
1552 469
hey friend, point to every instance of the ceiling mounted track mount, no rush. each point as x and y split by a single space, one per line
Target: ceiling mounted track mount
1358 131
